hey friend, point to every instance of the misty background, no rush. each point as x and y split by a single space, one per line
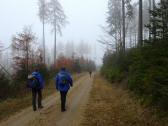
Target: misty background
84 20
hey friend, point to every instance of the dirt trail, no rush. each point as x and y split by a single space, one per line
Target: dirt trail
51 114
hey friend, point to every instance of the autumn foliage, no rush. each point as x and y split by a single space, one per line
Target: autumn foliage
77 64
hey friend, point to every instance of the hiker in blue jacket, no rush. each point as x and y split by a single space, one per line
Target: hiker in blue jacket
63 83
36 83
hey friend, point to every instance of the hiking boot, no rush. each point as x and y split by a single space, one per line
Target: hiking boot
63 110
34 109
40 107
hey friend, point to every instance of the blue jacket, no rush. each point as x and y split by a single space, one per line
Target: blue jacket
34 84
40 78
58 83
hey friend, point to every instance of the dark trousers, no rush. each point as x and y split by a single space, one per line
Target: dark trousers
36 92
63 99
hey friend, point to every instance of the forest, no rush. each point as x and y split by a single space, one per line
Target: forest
137 49
84 63
27 53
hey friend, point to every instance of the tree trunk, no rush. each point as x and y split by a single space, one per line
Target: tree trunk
44 41
154 4
116 42
55 42
140 27
164 21
154 24
27 59
123 17
135 44
150 8
130 38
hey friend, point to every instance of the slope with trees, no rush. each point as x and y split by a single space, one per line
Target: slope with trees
144 67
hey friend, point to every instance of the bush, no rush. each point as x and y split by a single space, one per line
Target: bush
4 86
146 70
115 67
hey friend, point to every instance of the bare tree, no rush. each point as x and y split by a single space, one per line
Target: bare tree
43 15
123 25
57 19
119 13
21 45
114 21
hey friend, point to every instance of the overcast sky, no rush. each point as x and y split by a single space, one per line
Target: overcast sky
84 16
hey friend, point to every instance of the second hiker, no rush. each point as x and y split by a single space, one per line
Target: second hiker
63 82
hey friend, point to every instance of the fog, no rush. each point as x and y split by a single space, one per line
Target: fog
84 20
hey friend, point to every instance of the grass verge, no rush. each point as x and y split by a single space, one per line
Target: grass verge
111 105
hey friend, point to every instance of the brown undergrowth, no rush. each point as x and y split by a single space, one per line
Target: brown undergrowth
111 105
